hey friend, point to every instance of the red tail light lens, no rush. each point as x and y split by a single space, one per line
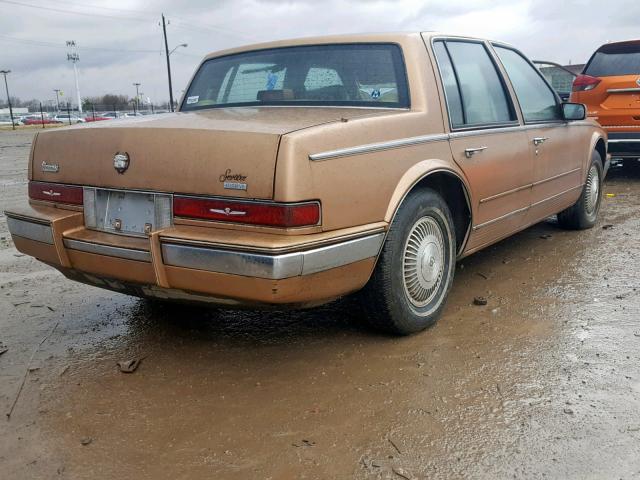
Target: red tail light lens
583 83
56 192
254 213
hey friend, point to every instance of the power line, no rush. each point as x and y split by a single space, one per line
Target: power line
113 9
181 22
41 43
74 12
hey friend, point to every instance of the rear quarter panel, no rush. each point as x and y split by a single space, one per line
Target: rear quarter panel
359 189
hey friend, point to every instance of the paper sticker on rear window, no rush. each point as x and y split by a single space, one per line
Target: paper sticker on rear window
193 99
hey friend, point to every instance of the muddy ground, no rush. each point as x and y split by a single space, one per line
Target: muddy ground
542 382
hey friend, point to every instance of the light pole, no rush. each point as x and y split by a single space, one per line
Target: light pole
137 85
57 90
181 45
75 58
6 86
168 54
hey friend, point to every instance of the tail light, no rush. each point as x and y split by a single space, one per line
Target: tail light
253 213
56 192
583 83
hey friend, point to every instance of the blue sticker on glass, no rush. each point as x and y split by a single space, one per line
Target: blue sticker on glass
272 79
375 93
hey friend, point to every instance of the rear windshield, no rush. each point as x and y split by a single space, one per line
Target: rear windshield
369 75
613 60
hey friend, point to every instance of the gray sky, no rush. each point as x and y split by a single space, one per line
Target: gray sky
120 41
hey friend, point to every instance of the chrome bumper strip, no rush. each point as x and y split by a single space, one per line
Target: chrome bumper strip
32 230
274 267
127 253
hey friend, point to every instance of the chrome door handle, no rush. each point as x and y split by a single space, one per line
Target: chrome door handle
539 140
470 152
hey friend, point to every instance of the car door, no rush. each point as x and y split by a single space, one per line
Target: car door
486 139
557 159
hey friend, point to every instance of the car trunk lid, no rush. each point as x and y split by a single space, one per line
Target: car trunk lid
220 152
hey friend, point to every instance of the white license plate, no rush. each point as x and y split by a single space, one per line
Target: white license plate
130 213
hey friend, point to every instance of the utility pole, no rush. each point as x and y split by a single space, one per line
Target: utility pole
6 85
57 90
166 51
137 85
75 58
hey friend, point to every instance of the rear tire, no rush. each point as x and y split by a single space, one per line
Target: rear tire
584 213
409 286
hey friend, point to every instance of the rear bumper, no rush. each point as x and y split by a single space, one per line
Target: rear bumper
624 144
166 263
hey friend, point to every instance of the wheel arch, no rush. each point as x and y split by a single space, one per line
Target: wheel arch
601 148
449 183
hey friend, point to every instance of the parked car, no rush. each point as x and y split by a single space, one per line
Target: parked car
610 88
112 115
96 118
560 78
6 120
68 118
39 120
325 166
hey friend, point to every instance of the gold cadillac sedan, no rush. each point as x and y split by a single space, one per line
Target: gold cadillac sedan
296 172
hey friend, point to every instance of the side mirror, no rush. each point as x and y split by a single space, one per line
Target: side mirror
574 111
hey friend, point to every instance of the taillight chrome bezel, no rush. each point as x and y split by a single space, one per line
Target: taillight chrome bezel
229 211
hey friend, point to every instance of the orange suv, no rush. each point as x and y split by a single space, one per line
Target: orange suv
610 88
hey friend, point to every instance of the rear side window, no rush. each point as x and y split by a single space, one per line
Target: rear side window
615 59
537 100
481 90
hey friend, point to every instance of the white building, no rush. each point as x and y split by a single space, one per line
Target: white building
16 111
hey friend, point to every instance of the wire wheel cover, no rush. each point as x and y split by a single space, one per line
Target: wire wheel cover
423 261
593 190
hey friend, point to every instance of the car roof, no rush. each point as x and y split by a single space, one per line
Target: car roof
389 37
612 47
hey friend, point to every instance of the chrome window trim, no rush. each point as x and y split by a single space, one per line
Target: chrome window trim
537 70
491 54
108 250
273 267
624 140
485 131
31 229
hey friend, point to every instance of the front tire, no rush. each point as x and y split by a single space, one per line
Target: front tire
584 213
412 279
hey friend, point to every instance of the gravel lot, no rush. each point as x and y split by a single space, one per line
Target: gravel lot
542 382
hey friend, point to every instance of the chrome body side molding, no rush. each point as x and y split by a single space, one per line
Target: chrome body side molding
524 209
624 90
377 147
436 137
